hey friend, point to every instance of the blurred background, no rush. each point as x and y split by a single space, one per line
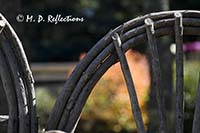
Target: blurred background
53 50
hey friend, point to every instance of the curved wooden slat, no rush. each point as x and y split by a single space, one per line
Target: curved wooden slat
19 86
78 87
24 71
10 94
140 39
78 71
68 89
80 102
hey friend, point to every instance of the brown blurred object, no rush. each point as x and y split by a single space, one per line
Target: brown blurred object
140 73
109 106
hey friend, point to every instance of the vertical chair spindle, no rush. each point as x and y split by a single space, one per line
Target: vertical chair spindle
179 72
157 81
130 85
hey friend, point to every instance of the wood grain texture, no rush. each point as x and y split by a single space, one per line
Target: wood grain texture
178 27
129 83
133 34
157 78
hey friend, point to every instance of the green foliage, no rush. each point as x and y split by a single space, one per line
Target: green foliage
45 102
105 111
191 76
103 105
191 72
108 109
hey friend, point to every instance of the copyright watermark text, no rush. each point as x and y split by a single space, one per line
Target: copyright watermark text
54 19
